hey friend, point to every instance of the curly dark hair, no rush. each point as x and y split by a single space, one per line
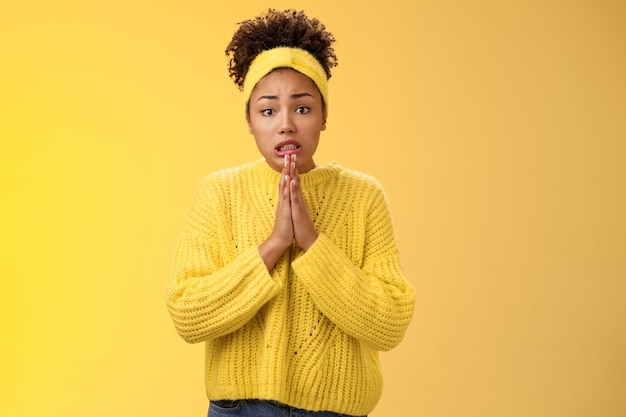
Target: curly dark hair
274 29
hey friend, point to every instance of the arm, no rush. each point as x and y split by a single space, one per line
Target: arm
209 296
372 302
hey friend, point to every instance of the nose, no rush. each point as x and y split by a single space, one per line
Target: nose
286 124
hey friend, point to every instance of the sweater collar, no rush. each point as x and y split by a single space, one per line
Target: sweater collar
318 175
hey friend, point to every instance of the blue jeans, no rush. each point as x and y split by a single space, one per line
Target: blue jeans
258 408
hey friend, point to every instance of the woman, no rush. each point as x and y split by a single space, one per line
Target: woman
289 271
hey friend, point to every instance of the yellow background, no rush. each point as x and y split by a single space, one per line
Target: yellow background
498 129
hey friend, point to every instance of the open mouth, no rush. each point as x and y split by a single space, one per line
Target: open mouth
288 148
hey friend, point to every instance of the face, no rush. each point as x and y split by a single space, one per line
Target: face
286 118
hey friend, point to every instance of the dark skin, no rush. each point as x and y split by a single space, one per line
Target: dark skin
286 116
293 221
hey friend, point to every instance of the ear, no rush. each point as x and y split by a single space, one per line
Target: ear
249 125
323 124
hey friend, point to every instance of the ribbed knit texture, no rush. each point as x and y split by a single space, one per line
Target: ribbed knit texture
308 332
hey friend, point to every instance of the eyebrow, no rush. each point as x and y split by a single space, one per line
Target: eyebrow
293 96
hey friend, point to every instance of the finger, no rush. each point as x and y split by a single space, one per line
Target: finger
284 190
286 165
303 227
294 166
298 207
283 223
285 180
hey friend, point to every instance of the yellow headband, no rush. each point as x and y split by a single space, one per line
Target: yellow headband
285 57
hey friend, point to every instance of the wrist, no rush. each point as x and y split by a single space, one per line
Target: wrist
306 244
272 249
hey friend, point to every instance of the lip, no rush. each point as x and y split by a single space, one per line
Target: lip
279 152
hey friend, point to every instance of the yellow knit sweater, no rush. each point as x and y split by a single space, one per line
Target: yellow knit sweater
307 333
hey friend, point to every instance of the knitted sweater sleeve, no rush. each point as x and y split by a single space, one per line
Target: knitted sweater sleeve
373 301
209 296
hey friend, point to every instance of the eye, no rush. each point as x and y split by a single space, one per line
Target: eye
267 112
303 109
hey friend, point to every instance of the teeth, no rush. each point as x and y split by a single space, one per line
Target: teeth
288 148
